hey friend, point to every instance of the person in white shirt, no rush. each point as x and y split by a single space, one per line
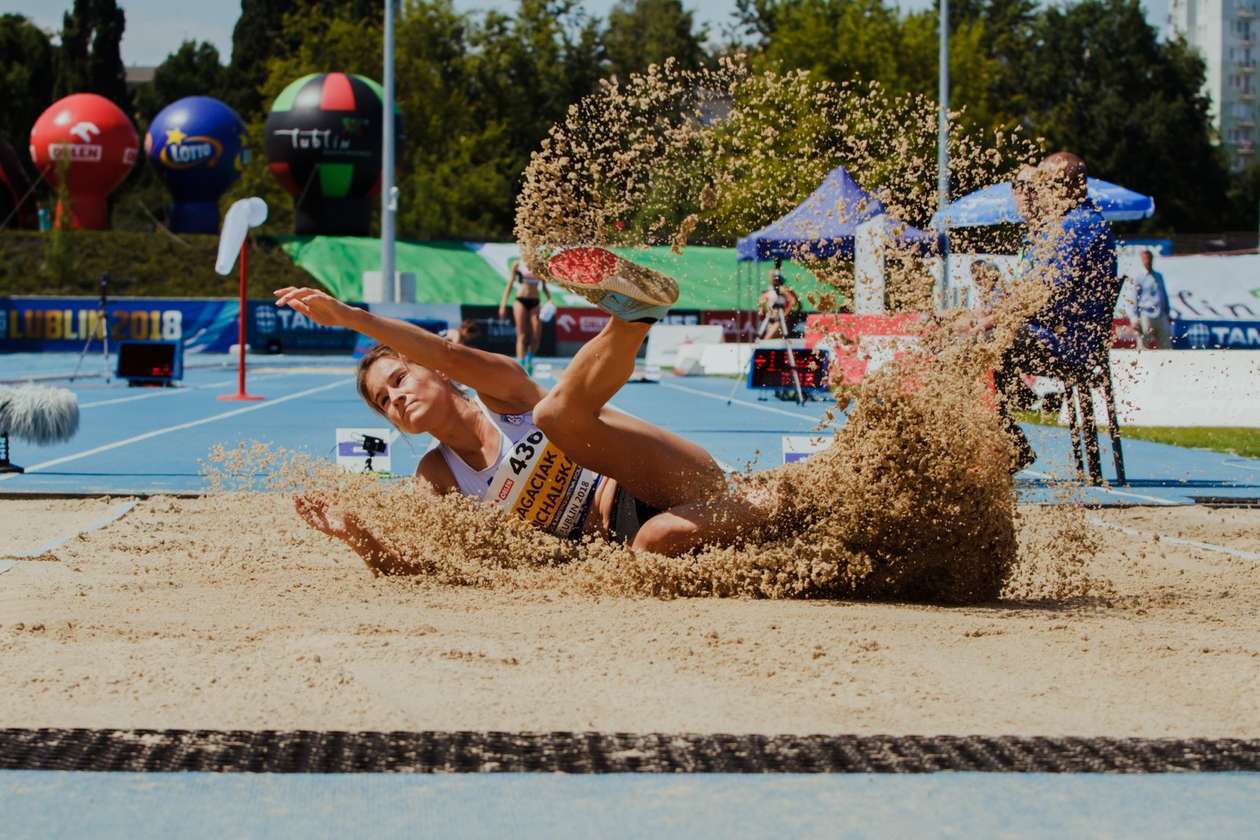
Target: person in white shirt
1148 307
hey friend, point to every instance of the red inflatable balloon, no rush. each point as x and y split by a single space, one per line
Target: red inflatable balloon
98 145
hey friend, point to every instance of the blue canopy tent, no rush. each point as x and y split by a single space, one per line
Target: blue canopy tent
995 205
823 225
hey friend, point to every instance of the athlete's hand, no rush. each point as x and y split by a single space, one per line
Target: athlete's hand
350 529
320 307
324 519
502 312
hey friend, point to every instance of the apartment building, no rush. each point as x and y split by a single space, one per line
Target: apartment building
1225 32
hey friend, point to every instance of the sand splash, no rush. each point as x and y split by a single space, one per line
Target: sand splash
913 501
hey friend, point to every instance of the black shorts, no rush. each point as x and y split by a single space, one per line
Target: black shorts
628 515
528 303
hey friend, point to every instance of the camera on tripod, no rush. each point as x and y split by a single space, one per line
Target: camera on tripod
373 446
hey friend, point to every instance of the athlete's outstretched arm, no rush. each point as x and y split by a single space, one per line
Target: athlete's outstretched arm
501 382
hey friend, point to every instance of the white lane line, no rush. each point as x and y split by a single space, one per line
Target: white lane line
167 430
165 392
757 406
722 465
113 516
1153 499
168 392
116 513
1099 522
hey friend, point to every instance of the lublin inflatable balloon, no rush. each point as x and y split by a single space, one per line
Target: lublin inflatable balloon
91 140
197 146
323 139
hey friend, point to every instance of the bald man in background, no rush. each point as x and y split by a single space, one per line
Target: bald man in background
1069 247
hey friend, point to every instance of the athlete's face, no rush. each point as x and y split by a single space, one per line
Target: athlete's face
409 395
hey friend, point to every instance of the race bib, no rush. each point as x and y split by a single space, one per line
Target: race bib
543 486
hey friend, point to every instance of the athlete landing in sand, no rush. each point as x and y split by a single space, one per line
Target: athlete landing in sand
563 459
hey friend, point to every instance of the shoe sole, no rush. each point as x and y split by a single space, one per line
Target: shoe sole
598 269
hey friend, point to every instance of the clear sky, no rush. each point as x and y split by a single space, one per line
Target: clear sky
157 27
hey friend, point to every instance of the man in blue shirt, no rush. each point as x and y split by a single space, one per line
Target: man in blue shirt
1148 308
1069 248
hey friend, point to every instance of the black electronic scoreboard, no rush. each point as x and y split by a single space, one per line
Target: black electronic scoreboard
771 369
150 362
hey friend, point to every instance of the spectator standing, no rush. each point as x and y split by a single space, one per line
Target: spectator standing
1148 308
525 313
1068 247
778 298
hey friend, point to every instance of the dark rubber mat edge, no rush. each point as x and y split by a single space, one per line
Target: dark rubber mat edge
303 751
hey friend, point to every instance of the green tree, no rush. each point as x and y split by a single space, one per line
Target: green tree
1101 84
840 40
258 36
90 58
1244 197
192 70
868 40
645 32
265 31
528 69
26 72
458 168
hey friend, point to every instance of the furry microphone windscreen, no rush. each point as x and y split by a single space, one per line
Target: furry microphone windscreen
39 414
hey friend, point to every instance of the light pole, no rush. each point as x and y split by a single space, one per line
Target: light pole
942 146
389 194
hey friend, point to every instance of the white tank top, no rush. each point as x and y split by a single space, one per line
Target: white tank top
529 476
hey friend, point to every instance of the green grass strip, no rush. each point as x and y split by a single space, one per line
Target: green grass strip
1233 440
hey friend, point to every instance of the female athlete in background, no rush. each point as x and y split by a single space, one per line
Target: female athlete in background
562 459
525 313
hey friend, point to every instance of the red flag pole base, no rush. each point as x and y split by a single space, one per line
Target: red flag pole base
241 395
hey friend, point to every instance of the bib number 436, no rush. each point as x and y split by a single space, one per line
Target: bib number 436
524 451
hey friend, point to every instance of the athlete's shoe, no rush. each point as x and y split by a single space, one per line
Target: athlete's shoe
617 286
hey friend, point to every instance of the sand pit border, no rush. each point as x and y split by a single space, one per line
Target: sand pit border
595 752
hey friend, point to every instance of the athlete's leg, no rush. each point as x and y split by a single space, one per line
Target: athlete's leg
535 330
720 520
520 316
658 467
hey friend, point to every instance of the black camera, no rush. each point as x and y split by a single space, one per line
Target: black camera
373 445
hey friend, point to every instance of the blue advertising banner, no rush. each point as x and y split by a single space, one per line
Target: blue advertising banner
271 329
35 324
1215 335
39 324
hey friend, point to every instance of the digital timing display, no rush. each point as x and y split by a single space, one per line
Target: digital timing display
771 368
148 360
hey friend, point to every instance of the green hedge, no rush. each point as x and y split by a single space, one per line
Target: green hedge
139 265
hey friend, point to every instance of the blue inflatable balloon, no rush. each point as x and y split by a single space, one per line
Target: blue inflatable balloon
197 146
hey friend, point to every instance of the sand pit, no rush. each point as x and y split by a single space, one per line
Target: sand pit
230 613
33 523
